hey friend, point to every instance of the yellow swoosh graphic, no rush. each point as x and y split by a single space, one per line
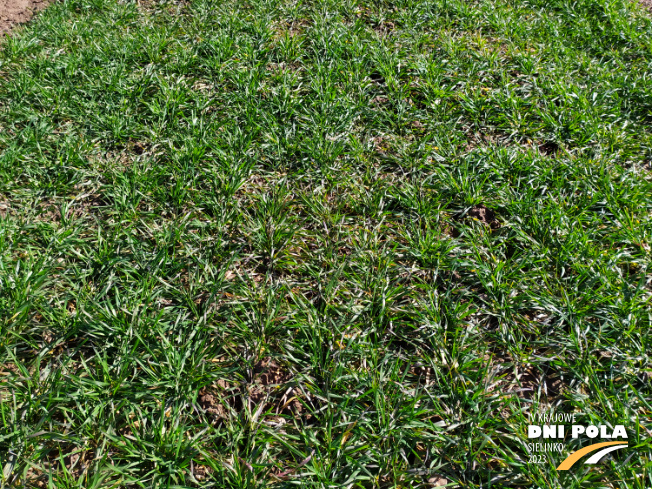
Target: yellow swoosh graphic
575 456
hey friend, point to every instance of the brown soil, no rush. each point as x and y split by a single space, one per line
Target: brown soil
268 388
549 148
13 12
484 215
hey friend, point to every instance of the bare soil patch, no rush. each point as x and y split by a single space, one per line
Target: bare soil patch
268 388
13 12
484 215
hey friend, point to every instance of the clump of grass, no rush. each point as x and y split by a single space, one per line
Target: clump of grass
322 243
